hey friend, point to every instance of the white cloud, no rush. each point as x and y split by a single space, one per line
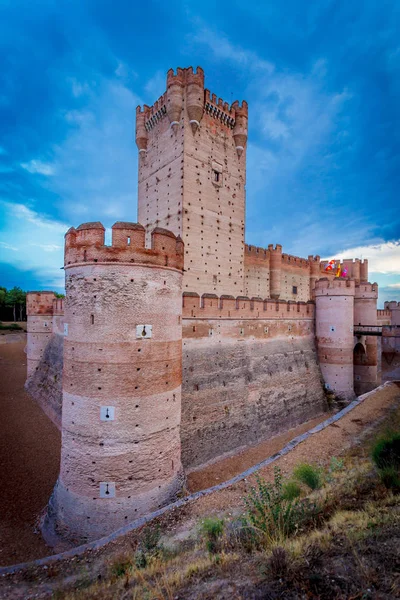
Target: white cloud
395 286
222 49
97 161
31 241
8 247
382 258
38 166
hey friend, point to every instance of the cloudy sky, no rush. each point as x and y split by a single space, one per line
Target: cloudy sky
322 79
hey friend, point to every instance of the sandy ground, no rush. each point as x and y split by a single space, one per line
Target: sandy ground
226 468
29 458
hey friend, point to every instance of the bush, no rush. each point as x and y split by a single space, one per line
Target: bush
211 530
240 535
291 490
272 516
386 451
148 546
308 474
390 477
11 327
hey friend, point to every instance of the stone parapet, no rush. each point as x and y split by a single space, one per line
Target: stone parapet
86 245
241 307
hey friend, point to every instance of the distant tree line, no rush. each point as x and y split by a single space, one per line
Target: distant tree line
13 304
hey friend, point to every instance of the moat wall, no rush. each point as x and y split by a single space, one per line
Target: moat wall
45 384
245 379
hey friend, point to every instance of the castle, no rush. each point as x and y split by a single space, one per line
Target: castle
180 343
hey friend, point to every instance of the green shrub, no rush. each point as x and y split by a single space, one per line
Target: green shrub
11 327
149 546
239 534
211 530
308 474
291 490
390 477
386 451
271 515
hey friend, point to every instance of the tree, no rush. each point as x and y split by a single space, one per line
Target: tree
15 297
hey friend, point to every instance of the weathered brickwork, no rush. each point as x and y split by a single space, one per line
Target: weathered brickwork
178 343
249 371
192 177
121 385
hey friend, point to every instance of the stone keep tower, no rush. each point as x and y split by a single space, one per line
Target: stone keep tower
334 311
192 176
121 380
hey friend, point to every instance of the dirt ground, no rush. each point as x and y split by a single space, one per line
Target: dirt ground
31 447
29 458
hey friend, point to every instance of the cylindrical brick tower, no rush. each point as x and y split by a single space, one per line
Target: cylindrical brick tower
275 267
121 380
334 332
366 347
39 310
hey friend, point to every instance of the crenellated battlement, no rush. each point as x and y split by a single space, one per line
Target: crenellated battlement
86 245
366 290
255 251
335 287
39 303
219 109
295 261
242 307
390 305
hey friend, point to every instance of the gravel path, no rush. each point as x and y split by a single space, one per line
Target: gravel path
29 458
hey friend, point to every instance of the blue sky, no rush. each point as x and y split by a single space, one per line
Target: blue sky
323 84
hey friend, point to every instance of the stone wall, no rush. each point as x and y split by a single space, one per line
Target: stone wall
45 383
242 385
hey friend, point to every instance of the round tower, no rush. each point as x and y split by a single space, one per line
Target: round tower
141 133
195 96
39 310
334 301
275 267
315 272
175 85
240 127
122 370
366 346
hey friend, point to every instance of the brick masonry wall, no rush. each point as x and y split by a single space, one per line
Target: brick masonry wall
245 380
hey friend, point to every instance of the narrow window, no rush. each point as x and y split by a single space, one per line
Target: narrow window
294 289
216 176
92 319
129 240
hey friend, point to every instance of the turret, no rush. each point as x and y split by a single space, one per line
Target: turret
315 272
195 96
364 271
240 127
39 310
366 348
175 85
141 133
122 372
275 266
334 301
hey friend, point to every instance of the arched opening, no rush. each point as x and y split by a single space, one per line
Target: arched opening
359 354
